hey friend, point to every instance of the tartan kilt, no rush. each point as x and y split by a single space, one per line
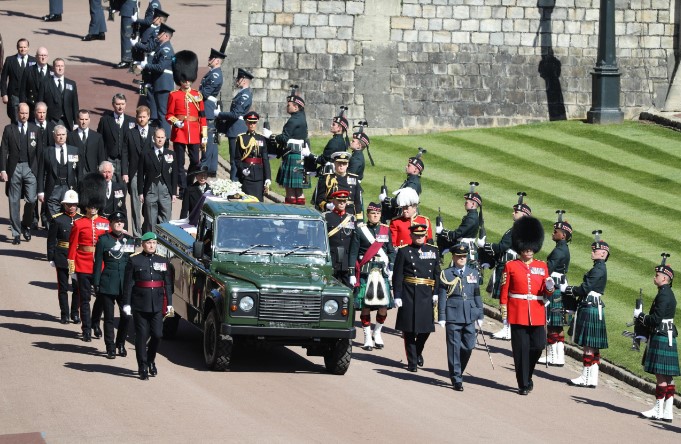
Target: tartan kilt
291 172
555 311
361 290
589 330
659 358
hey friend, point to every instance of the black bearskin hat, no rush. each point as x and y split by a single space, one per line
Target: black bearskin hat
185 66
527 234
92 191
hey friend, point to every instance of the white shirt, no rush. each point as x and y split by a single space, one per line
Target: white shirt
57 79
83 132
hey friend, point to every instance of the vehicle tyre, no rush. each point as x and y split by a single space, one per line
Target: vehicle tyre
170 326
337 359
217 350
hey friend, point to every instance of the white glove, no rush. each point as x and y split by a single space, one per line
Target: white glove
382 196
353 280
170 309
435 298
481 242
74 277
134 41
127 310
479 322
204 141
439 228
134 17
267 133
442 323
637 311
268 183
390 275
52 264
143 64
330 206
179 124
241 117
550 285
485 266
563 286
398 303
246 171
305 151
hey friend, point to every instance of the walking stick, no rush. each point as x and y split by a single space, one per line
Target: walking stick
484 341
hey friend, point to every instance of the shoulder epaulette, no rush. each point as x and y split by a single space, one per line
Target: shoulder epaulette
385 225
57 215
360 224
352 174
135 254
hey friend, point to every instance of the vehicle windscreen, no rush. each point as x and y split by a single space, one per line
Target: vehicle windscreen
256 235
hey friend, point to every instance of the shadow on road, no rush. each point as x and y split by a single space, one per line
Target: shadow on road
69 348
44 331
101 368
46 285
20 253
19 14
660 425
376 358
83 59
52 31
113 83
29 315
415 377
605 405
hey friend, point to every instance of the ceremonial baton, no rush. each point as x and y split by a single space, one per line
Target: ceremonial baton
484 341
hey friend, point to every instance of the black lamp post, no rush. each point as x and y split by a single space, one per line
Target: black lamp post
605 87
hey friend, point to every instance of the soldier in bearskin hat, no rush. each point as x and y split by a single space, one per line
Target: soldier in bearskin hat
500 254
372 256
187 116
82 242
525 283
661 357
589 329
558 262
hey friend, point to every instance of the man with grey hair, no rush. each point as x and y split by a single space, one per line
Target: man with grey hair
115 192
157 182
19 159
59 171
33 77
113 126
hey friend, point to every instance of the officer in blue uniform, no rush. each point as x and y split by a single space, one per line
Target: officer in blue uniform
459 308
148 287
211 84
234 118
128 13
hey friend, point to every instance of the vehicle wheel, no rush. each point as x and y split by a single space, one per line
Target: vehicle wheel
337 359
170 326
217 350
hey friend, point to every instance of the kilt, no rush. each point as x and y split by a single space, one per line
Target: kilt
659 358
554 316
589 331
291 172
361 290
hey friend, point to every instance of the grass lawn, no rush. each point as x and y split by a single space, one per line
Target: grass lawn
623 179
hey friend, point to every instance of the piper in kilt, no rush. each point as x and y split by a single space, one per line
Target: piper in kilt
661 357
416 279
371 261
589 329
558 263
292 146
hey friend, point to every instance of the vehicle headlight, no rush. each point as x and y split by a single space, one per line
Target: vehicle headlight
331 307
246 303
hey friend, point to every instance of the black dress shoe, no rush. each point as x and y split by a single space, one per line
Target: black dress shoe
412 368
111 353
419 360
97 331
458 386
122 352
88 38
16 240
144 375
75 319
87 337
530 386
152 369
26 232
52 18
100 36
64 319
523 391
123 65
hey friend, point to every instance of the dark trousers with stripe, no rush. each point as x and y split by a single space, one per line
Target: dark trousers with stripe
85 283
527 343
63 293
413 345
148 326
109 302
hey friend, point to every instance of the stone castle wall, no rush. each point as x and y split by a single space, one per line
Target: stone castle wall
415 66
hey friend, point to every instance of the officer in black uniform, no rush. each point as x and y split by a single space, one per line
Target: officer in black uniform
414 169
341 226
57 251
360 141
252 159
337 144
416 279
340 180
113 250
148 285
470 223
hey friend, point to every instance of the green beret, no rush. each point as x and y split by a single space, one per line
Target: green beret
148 236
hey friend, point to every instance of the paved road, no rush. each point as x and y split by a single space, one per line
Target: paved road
55 388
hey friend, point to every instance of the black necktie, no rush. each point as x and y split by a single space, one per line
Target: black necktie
160 153
143 134
84 138
23 63
22 130
59 85
63 155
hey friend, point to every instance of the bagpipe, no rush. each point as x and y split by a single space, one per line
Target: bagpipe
640 333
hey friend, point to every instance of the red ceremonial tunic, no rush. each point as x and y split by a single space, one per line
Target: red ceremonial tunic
521 279
186 106
84 235
399 229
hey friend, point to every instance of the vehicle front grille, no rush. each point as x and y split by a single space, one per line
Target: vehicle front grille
290 307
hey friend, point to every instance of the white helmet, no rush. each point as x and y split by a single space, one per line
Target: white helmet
70 197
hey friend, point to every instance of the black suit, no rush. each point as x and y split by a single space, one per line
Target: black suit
134 147
9 151
46 136
60 105
114 139
30 86
49 181
91 155
115 201
10 82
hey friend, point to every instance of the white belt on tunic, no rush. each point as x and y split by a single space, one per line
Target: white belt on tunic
213 99
168 71
529 297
